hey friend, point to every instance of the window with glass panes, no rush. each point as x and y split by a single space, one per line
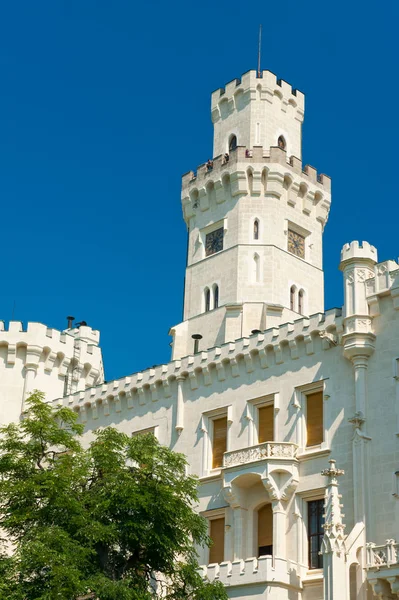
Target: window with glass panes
315 532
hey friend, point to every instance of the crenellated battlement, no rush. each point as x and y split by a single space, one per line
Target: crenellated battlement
50 359
355 250
267 84
262 350
270 173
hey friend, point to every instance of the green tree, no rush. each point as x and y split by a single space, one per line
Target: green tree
113 521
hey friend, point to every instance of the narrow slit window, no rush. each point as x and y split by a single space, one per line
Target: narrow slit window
292 298
216 533
207 299
265 424
216 296
233 143
265 530
256 229
314 419
300 302
281 142
219 442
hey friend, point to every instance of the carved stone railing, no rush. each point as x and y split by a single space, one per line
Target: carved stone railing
382 556
274 450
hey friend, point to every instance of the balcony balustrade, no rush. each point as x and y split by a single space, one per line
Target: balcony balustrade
267 450
255 571
382 565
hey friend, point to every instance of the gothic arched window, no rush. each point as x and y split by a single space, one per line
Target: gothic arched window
256 229
292 297
281 142
300 301
207 299
233 143
216 296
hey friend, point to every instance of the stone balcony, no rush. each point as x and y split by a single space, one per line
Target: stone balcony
267 450
264 570
274 464
382 566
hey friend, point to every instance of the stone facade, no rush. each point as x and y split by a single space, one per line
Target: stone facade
329 521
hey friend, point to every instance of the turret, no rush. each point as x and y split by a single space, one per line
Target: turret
255 218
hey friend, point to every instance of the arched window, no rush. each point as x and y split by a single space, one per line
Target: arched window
256 229
216 296
300 301
232 143
207 299
281 143
265 531
292 297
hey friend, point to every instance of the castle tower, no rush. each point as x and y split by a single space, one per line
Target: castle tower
255 219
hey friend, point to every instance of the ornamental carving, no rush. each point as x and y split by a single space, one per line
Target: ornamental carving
260 452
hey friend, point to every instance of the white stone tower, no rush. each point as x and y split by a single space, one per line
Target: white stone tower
255 219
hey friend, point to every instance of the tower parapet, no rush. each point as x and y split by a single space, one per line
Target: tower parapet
257 111
39 357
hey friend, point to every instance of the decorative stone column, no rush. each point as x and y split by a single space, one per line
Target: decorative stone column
335 570
280 494
33 354
357 264
179 405
236 501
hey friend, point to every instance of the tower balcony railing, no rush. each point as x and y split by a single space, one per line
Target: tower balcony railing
267 450
384 555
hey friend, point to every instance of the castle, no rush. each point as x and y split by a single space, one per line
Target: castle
289 414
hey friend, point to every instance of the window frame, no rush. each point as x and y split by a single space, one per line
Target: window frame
253 407
206 426
308 535
222 224
213 515
300 402
301 502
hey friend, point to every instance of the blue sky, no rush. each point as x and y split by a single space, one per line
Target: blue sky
104 105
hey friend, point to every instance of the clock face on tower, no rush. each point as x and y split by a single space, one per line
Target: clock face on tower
296 243
214 242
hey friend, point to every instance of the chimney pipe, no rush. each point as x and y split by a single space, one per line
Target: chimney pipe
70 322
196 337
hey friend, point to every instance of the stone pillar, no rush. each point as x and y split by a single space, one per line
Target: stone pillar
239 516
357 264
280 495
33 354
179 405
279 528
335 569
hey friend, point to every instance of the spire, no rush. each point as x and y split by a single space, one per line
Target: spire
259 49
334 539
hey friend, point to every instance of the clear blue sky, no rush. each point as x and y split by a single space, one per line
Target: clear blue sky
104 105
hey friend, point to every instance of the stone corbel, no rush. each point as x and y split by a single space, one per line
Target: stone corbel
381 588
221 372
193 380
130 398
154 392
207 376
263 358
11 354
235 372
249 365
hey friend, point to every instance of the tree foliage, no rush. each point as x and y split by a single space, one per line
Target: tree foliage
113 521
